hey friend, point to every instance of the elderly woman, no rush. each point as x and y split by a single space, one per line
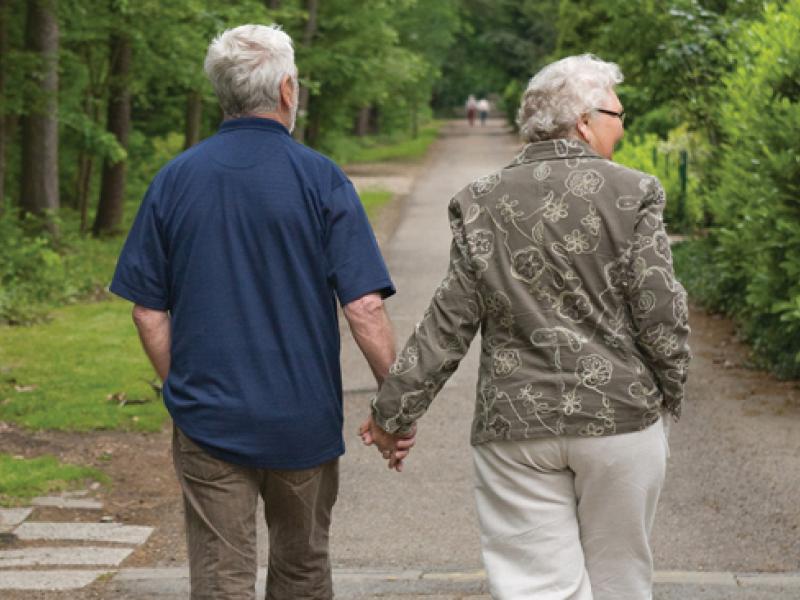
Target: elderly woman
561 260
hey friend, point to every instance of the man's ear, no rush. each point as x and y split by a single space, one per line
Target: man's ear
287 92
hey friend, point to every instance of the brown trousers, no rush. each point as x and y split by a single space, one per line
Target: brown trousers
220 501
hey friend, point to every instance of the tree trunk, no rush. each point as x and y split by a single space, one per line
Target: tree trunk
314 127
303 101
194 113
112 186
85 165
362 121
86 159
3 131
272 4
39 189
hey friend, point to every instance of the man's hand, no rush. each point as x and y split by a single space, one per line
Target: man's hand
393 448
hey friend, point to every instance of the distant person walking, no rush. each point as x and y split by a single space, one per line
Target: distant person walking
240 249
562 262
471 107
483 107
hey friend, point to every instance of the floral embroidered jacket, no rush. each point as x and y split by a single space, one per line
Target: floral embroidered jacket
561 260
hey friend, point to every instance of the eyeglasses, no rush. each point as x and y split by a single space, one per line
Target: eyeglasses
620 115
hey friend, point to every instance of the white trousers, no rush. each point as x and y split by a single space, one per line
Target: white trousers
570 518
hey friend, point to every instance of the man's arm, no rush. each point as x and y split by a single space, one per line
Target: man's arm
373 333
154 332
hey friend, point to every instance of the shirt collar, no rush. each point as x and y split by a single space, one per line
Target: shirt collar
561 148
253 123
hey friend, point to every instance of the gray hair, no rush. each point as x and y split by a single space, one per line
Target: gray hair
561 92
246 65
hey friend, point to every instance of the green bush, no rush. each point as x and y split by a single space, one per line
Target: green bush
39 271
661 158
753 252
511 99
32 271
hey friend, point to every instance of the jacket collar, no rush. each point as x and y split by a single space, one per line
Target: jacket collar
253 123
558 149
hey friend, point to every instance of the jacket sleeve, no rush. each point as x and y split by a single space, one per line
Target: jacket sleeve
658 302
437 345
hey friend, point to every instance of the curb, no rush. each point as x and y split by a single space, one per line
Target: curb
420 581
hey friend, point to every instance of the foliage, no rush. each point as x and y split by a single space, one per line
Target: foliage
512 98
384 148
755 246
648 153
52 378
24 478
497 41
30 270
673 54
39 271
381 54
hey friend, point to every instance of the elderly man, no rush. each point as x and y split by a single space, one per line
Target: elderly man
561 260
237 255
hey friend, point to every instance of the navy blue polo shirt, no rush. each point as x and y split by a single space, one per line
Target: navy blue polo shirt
247 239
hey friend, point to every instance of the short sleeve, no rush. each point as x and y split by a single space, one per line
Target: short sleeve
355 264
141 273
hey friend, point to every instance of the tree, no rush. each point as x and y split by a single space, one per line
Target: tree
39 192
194 116
306 42
112 188
3 132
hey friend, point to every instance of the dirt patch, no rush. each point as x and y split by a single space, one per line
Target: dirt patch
142 488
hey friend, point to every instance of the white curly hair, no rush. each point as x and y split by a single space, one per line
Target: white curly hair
246 65
561 92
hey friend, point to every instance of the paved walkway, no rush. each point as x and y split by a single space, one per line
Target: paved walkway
66 554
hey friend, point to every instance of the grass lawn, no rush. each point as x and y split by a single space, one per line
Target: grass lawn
22 479
400 146
407 149
59 374
373 200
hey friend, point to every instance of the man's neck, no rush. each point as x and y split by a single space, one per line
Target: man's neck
275 116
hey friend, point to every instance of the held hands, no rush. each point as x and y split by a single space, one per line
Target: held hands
393 448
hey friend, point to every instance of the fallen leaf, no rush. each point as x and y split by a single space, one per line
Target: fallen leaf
119 397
